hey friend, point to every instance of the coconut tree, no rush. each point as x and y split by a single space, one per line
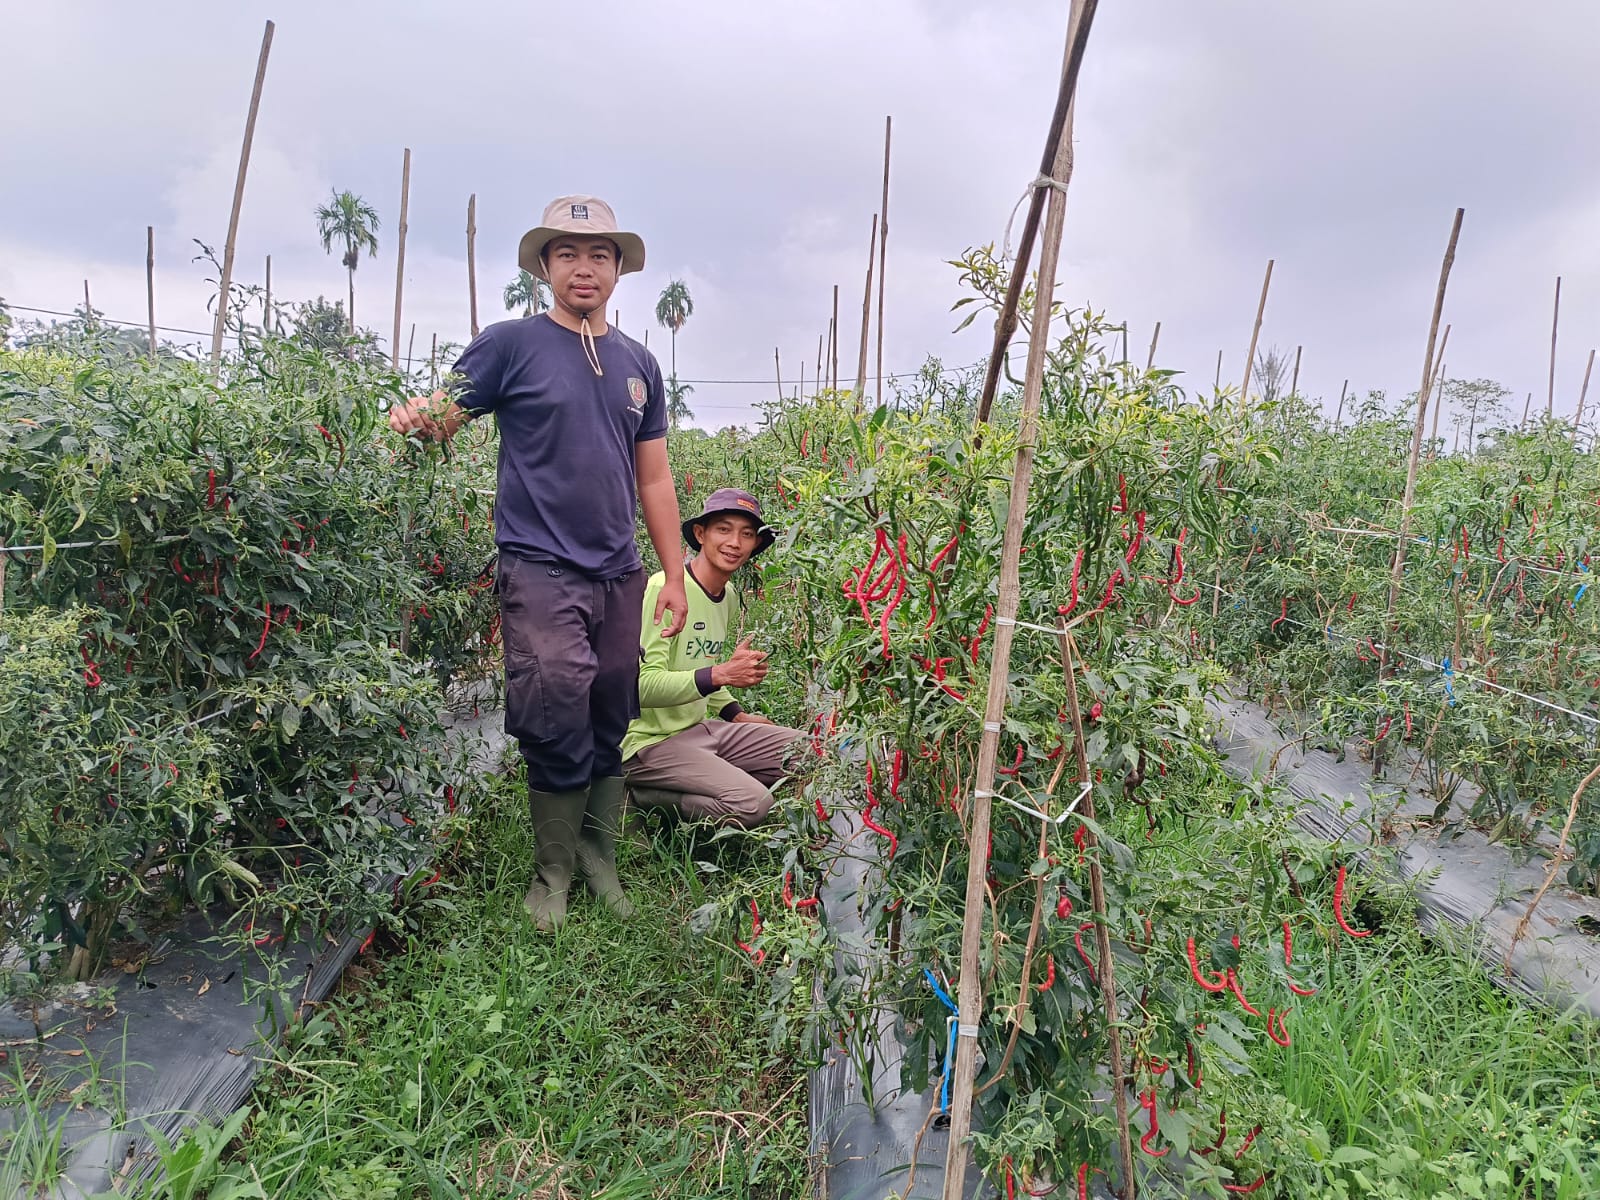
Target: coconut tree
528 292
672 310
678 411
350 221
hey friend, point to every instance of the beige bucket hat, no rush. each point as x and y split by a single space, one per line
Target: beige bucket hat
580 216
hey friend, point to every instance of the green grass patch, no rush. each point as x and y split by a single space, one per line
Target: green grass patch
482 1059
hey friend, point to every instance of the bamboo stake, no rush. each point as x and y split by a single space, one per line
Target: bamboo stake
267 323
410 346
833 341
472 261
1294 380
226 282
883 249
433 363
1555 323
819 361
1527 405
1006 325
1216 384
1583 393
1124 341
88 308
777 368
150 289
1422 413
1059 161
1255 336
1150 360
1439 403
1338 416
400 258
866 315
1553 869
1438 397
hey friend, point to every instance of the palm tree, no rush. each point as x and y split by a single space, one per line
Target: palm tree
350 220
529 292
672 310
678 410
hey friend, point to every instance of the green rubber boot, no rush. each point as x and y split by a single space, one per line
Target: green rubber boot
597 844
557 819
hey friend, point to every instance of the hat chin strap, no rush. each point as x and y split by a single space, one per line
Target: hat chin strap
591 349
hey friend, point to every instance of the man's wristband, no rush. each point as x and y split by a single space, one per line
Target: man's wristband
703 681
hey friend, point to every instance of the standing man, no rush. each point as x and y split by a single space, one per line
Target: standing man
695 748
582 415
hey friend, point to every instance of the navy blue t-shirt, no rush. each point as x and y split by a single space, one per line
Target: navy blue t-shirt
566 488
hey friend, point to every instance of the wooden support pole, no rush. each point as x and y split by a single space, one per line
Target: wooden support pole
866 315
1150 359
819 362
1583 393
833 341
433 363
1124 342
411 344
400 258
267 322
1058 167
1422 413
88 308
150 288
1338 416
883 250
472 262
1255 336
777 369
1527 407
1555 324
1438 406
1216 384
220 324
1006 324
1294 380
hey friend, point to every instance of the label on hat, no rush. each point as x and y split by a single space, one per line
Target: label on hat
745 502
580 212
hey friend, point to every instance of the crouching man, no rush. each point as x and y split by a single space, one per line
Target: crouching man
693 746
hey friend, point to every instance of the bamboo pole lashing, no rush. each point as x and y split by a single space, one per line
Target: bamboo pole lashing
225 283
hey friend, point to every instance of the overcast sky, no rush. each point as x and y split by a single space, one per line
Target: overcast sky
744 142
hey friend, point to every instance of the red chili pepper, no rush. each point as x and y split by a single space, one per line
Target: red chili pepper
949 547
1138 537
1011 1183
1196 1069
897 774
1096 711
1016 765
1244 1189
1408 722
983 627
1147 1100
1122 494
1183 601
91 669
449 797
1338 907
1383 729
1500 549
1083 1181
1063 907
1077 940
1248 1142
1072 600
1282 616
1354 596
1049 980
822 813
266 628
755 932
1238 993
805 440
1222 1133
1220 984
866 819
688 483
211 487
1282 1036
883 624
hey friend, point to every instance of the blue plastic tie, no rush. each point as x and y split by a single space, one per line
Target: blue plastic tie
938 991
1449 680
949 1061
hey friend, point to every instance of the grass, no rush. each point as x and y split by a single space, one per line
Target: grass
482 1059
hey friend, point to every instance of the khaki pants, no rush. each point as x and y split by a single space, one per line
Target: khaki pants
720 770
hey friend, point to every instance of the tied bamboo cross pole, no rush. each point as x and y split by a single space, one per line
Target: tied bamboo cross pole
400 259
866 316
1255 337
1438 404
1006 325
883 249
1058 162
1555 325
1583 394
150 288
226 282
472 262
1422 413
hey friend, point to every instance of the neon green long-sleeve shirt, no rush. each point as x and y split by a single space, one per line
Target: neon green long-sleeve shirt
675 690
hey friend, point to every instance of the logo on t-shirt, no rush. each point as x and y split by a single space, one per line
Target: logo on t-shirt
636 393
699 626
580 212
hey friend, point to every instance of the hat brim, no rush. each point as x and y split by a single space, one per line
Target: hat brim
765 532
529 251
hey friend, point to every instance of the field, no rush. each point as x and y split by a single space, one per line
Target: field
226 656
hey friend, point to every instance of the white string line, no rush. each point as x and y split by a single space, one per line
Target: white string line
1580 576
1330 633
